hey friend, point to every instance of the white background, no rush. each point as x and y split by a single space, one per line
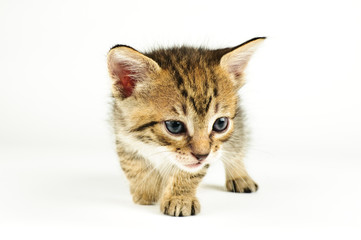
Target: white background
59 174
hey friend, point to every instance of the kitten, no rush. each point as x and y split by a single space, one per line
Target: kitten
175 112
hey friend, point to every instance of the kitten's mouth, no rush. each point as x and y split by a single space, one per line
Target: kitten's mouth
191 164
194 165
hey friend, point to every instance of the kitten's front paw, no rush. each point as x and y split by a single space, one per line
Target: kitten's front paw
241 185
180 206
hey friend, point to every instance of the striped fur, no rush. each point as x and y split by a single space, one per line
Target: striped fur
195 86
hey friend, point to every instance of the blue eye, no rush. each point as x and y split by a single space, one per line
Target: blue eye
220 124
175 127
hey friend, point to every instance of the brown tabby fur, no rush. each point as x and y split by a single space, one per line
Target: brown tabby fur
191 85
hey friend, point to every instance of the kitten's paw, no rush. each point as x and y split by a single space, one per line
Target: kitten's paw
180 206
241 185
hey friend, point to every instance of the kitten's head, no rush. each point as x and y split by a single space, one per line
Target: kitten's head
177 105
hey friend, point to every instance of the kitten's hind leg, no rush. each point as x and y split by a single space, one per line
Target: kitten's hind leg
237 178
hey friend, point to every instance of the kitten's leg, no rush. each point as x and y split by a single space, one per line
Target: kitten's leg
179 196
237 178
145 181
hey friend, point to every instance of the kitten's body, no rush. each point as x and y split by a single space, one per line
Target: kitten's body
176 111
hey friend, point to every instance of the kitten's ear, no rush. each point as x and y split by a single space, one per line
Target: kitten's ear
235 62
129 68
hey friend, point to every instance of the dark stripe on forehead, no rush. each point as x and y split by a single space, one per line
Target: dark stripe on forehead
208 104
144 126
213 77
206 79
216 109
193 103
215 92
184 93
175 110
184 108
178 78
203 107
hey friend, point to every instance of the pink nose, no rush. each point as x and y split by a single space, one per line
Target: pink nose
200 157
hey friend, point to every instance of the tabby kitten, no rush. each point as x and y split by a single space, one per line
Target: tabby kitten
175 112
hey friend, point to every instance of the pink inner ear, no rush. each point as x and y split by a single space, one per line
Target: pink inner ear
236 71
126 82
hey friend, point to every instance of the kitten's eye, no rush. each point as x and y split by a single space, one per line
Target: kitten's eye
175 127
220 124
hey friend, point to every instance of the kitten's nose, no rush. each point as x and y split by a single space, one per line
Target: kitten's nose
200 157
